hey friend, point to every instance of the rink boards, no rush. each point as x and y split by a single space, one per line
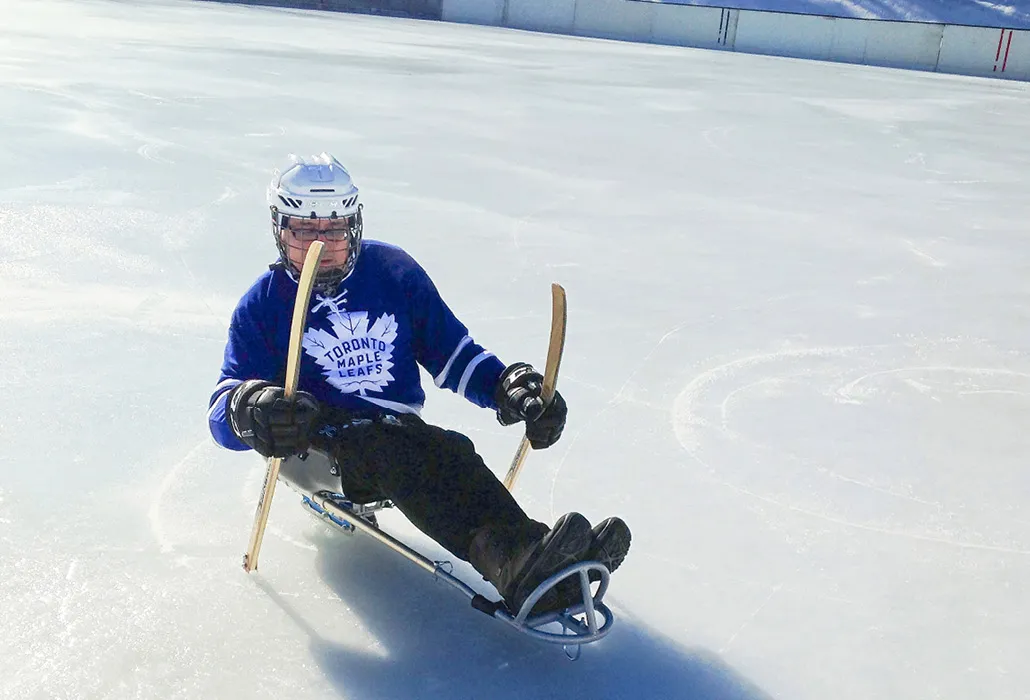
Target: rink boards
944 48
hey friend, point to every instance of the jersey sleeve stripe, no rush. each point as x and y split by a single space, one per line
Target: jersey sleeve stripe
442 377
221 390
222 385
469 369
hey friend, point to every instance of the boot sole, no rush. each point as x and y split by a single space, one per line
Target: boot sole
611 544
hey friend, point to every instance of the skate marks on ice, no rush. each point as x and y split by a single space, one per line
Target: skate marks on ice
622 395
407 636
169 482
806 429
189 516
92 269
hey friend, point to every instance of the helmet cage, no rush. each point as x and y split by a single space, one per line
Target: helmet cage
319 188
326 280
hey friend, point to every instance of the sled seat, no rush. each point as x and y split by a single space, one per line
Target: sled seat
314 476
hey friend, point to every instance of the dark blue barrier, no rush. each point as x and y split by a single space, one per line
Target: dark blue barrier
418 9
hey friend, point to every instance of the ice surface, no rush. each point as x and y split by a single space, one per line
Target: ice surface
797 358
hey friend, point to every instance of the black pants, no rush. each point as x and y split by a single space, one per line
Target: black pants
434 476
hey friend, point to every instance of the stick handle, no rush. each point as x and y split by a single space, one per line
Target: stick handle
300 315
555 348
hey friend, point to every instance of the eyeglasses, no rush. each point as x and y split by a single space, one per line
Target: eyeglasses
313 229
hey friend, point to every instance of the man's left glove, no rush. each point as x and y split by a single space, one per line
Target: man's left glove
263 418
518 399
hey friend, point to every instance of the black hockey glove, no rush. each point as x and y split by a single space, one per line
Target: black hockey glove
518 399
263 418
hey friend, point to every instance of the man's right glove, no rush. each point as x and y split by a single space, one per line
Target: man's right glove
518 397
264 419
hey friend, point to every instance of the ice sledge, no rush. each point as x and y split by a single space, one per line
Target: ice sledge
588 621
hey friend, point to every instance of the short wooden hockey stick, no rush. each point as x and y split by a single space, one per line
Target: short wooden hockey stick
559 317
300 315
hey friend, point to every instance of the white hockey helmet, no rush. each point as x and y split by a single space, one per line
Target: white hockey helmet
316 187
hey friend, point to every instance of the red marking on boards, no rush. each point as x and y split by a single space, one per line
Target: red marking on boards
1008 47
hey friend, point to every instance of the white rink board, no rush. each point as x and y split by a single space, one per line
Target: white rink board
996 53
895 44
542 15
901 44
778 34
702 27
976 51
487 12
614 19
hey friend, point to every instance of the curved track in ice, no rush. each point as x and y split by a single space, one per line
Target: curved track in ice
701 429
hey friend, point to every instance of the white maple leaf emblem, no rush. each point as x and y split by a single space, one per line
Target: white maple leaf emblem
354 357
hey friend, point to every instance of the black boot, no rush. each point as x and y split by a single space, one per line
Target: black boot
609 545
517 560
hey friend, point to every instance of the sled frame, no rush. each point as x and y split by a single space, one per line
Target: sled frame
584 623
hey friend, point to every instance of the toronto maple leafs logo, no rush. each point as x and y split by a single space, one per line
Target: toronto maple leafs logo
354 358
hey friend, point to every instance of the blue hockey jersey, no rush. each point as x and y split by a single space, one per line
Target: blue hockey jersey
361 348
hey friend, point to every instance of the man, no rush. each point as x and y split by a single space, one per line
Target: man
374 317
